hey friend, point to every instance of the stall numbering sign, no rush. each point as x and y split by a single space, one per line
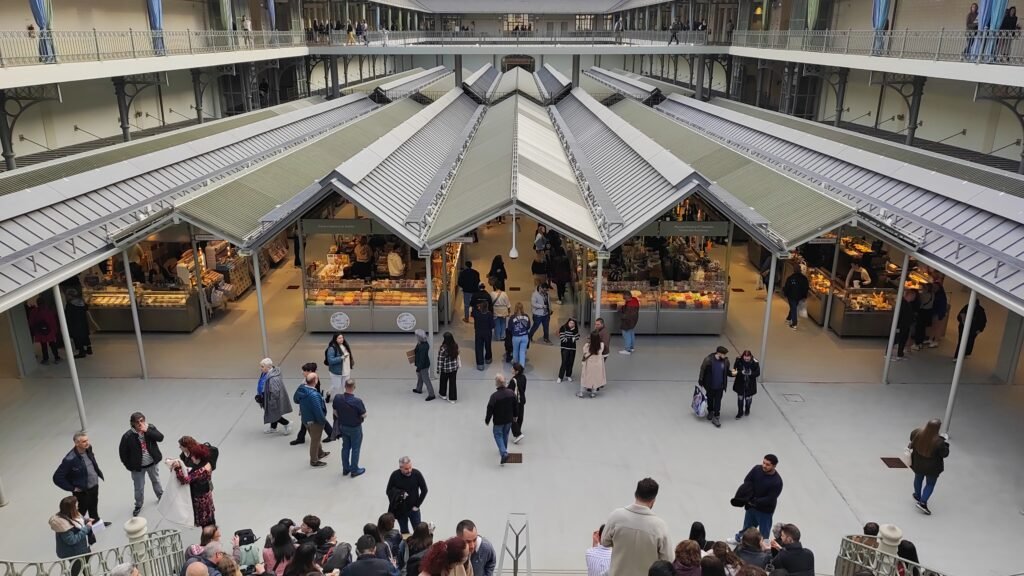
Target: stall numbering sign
340 321
406 322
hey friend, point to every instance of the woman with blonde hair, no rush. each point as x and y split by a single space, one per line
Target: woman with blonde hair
687 560
593 377
928 450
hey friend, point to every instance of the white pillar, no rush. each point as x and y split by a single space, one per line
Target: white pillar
430 297
69 354
598 283
135 314
972 303
770 289
895 317
832 280
259 300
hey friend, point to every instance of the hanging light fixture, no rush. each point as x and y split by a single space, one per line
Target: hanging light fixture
758 11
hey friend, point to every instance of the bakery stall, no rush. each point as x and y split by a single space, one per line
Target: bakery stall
358 277
862 311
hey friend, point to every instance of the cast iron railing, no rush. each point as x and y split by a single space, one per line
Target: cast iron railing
158 553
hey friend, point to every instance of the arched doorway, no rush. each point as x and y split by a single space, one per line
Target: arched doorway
524 62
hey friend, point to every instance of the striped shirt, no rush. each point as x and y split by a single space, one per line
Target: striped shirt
599 561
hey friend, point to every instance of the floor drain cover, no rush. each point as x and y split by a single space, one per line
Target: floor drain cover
793 397
293 287
738 290
514 289
514 458
893 463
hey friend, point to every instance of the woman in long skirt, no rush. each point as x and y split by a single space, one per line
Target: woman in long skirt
593 377
199 480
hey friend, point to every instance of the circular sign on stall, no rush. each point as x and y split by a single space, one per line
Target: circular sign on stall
406 322
340 321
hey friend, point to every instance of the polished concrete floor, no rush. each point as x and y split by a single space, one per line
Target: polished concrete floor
581 457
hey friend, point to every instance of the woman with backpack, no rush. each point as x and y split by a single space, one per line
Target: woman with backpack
339 361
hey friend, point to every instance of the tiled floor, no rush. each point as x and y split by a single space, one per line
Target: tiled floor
581 458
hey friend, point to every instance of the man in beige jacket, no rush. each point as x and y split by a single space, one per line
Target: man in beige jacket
636 536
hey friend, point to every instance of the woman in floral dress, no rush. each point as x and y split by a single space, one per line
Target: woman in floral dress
199 480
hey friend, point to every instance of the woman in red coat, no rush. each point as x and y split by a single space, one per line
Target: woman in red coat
42 323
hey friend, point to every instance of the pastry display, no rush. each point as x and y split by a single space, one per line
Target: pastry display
695 300
868 300
819 281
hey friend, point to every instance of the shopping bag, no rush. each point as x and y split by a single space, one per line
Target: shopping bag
905 457
176 503
700 402
801 309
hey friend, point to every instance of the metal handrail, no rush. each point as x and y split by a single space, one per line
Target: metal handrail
860 553
28 48
158 553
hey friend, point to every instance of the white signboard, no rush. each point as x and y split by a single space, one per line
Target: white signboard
340 321
406 322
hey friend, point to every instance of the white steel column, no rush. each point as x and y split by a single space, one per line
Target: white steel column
135 313
598 282
69 354
301 257
960 354
832 280
198 274
259 299
430 297
895 317
770 289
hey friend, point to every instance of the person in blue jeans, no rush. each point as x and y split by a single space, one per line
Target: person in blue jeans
541 306
795 289
519 326
929 450
763 485
503 408
349 413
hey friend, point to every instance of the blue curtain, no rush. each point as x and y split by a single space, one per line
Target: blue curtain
156 24
879 13
272 14
43 14
990 18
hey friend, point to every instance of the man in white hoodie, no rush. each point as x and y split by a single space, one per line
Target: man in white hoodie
482 556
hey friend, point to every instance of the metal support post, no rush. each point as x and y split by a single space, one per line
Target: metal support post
961 350
576 70
832 281
6 143
915 109
135 313
332 61
844 74
197 90
301 258
699 87
728 263
519 547
599 283
895 317
259 300
428 256
198 275
122 108
770 290
458 70
69 355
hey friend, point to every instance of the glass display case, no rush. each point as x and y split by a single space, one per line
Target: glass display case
862 311
613 298
683 307
817 296
159 310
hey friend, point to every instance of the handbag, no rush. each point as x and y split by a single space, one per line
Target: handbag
700 402
801 309
906 457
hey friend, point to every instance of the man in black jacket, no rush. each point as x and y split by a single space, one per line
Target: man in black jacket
977 327
795 290
504 409
140 454
469 282
766 487
367 563
79 474
790 555
714 374
406 492
905 321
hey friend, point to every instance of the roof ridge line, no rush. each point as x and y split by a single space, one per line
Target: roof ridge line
565 137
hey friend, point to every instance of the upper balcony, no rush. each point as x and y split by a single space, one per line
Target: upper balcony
31 58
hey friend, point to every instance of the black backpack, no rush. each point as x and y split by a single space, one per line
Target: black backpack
214 454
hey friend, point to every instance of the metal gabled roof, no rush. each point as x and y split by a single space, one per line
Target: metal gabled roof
956 168
634 88
397 178
236 211
986 246
629 178
666 88
479 83
516 80
84 215
553 84
370 85
406 85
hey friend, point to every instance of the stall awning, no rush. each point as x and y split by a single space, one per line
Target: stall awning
629 180
236 210
635 88
399 177
794 212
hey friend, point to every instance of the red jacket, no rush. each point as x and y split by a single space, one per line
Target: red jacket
42 323
630 313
